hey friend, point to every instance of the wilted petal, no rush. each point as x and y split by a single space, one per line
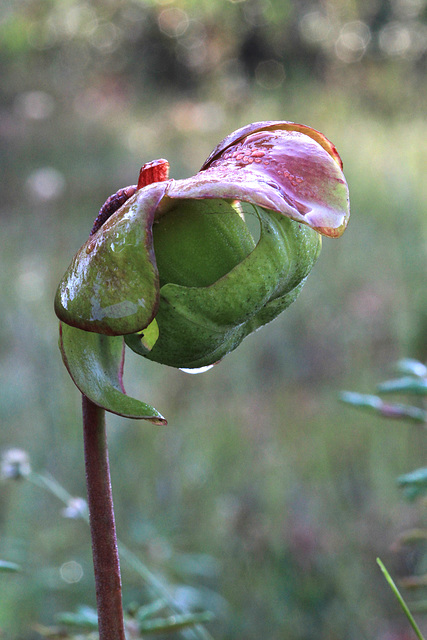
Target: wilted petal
291 169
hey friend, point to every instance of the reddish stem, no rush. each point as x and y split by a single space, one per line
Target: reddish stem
102 526
100 499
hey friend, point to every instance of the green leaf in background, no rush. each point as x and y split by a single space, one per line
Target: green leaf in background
174 623
414 484
147 610
85 618
9 567
410 366
95 363
407 384
375 404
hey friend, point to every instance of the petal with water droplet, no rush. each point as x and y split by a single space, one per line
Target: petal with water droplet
291 169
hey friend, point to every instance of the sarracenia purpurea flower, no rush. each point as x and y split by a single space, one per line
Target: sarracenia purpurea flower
177 268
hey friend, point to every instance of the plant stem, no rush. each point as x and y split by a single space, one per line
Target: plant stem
153 583
102 525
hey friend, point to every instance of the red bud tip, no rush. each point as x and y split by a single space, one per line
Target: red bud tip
154 171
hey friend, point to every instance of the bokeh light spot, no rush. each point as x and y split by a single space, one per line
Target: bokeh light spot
45 184
315 27
35 105
71 572
352 42
270 74
173 22
395 39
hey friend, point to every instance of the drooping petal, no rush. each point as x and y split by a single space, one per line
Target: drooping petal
112 284
273 125
95 363
291 169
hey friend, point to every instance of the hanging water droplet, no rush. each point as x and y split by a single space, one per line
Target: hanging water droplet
197 370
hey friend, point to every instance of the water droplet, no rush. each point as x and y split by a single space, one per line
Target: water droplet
91 246
255 137
197 370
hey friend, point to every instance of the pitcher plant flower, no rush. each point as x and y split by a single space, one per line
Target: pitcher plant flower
182 271
175 270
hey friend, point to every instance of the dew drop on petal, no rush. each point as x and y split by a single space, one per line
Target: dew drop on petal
90 247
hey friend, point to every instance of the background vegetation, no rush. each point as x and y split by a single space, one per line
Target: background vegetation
265 500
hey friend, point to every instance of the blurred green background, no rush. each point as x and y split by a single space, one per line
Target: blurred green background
265 500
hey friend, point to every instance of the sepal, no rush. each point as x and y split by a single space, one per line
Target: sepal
112 284
95 364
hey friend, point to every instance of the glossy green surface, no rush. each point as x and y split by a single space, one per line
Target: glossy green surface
200 241
95 363
199 325
111 286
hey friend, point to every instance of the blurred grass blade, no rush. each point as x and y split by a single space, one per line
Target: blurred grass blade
85 617
412 367
407 384
361 400
401 600
414 484
149 609
384 409
9 567
175 623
